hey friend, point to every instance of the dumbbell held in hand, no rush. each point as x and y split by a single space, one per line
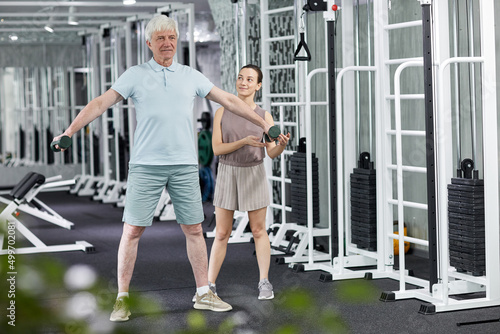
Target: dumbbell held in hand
274 132
64 142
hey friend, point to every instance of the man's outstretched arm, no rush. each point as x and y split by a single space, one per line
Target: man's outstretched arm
234 104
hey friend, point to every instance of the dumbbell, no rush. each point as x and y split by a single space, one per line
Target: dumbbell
274 132
64 142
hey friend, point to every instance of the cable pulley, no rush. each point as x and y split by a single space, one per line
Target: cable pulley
302 42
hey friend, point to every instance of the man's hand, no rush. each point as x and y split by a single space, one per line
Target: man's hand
60 143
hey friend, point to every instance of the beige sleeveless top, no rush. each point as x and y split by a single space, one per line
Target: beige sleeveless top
235 128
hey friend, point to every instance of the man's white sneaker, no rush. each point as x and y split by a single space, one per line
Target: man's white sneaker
212 302
121 310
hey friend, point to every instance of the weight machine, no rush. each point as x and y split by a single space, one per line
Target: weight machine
449 275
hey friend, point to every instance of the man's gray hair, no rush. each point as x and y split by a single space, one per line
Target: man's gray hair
160 23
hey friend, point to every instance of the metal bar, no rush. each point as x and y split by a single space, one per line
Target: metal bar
455 22
403 238
402 25
79 4
430 148
407 97
408 204
278 10
490 155
236 35
243 33
357 63
415 133
280 38
66 14
412 169
332 111
264 28
81 24
369 57
472 79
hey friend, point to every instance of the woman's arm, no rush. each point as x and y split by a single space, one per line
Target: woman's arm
219 147
272 149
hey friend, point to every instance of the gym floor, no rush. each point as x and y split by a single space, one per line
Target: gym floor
163 286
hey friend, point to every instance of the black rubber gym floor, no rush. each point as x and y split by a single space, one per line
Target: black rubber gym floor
163 285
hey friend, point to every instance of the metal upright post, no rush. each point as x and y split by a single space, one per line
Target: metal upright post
330 16
430 146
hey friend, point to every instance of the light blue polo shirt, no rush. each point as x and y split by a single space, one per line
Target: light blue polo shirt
164 100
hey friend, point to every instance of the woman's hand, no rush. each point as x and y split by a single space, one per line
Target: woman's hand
254 141
283 140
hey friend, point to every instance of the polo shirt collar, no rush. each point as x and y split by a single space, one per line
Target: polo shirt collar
157 67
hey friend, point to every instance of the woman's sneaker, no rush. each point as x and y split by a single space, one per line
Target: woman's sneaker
265 289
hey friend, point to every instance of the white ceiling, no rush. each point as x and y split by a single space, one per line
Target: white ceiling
26 19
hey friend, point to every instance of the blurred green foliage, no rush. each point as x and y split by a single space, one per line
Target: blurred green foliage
45 303
304 314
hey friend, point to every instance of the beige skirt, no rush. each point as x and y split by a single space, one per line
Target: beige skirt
241 188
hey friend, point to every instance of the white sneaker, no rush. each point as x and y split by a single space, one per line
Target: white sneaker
212 302
121 310
265 289
211 286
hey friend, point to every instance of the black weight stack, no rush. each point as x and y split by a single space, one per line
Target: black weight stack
364 204
466 230
298 176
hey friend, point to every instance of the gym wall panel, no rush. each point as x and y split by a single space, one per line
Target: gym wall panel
42 55
10 176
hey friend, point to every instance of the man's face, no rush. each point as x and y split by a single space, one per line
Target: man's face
163 44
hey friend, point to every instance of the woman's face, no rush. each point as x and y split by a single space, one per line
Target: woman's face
246 84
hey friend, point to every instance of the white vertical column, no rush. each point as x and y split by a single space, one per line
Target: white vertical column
443 136
490 147
383 144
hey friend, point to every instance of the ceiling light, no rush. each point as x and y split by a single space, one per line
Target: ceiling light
48 28
71 18
13 37
128 2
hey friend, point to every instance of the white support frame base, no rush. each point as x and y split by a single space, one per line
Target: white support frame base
40 246
114 193
301 250
89 188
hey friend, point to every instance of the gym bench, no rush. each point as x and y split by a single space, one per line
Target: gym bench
24 194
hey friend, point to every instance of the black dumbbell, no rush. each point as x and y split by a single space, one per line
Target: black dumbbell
274 132
64 142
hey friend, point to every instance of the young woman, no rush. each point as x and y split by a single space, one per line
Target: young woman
241 179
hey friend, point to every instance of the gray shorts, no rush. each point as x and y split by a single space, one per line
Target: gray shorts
144 187
241 188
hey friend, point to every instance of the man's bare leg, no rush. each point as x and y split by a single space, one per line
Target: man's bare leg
197 255
197 252
127 254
